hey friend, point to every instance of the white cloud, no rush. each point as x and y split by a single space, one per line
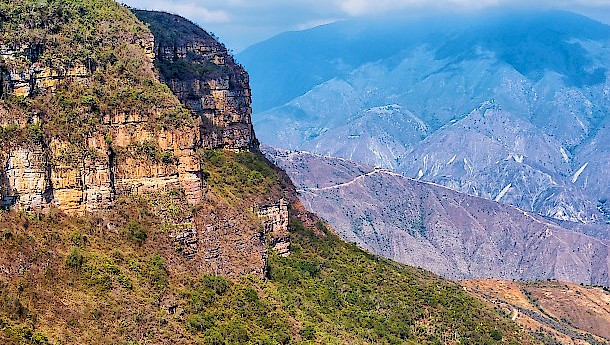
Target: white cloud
368 7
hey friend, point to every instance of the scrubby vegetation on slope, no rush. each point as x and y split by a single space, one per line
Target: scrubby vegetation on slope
81 283
117 277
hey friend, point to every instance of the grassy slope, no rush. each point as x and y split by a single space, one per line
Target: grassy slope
112 278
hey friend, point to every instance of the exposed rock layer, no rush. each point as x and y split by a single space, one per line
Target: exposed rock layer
206 79
52 170
128 151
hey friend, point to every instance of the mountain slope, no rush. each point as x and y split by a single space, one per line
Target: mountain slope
456 235
74 281
544 72
132 216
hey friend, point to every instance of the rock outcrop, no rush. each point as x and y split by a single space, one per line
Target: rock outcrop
275 222
206 79
125 155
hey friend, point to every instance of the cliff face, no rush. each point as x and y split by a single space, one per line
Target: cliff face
125 155
129 153
50 158
79 133
206 79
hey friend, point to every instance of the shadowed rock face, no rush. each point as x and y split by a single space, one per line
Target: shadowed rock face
515 101
450 233
206 79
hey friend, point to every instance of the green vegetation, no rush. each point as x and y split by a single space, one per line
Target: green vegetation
149 150
116 276
102 287
190 70
21 335
135 232
238 176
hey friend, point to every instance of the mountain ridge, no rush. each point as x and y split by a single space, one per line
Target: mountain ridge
448 81
428 225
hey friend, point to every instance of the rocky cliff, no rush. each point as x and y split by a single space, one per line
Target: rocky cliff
129 152
128 211
70 140
206 79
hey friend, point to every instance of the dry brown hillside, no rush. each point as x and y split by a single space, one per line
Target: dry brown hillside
556 312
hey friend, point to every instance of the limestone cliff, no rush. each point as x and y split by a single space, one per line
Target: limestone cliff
50 157
206 79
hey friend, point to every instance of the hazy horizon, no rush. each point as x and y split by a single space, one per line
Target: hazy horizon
241 23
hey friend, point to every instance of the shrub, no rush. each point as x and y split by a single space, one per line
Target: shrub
237 334
308 332
125 281
156 272
78 239
201 322
217 283
75 259
168 158
214 337
136 232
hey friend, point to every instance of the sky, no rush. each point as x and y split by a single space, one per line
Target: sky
241 23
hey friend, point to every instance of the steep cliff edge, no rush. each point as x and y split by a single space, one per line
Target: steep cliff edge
132 136
86 120
206 79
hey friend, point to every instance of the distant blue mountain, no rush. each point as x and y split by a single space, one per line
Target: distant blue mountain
510 106
288 65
